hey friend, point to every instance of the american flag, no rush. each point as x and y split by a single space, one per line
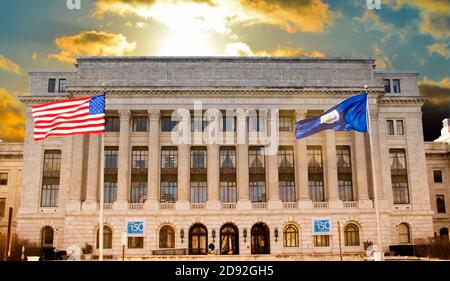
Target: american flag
69 117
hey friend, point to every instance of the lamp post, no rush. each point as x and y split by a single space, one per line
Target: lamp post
124 242
339 236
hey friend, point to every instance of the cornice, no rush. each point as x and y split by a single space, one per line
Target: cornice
412 100
31 100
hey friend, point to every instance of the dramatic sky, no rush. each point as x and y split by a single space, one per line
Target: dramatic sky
410 35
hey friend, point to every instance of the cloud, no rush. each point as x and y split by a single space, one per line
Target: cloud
382 61
34 56
242 49
12 125
91 43
9 65
372 21
437 91
439 48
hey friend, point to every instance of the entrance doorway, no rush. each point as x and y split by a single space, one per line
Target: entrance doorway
260 239
229 239
198 239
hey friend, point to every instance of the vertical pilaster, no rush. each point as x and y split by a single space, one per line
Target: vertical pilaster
92 186
331 170
123 167
154 154
361 170
242 161
301 167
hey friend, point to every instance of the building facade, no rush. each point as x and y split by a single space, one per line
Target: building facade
203 151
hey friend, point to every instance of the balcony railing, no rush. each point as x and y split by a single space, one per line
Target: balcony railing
320 205
290 205
228 170
107 206
257 170
259 205
228 205
166 206
350 204
135 206
198 171
198 205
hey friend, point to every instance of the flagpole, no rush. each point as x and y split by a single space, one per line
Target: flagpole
374 179
102 195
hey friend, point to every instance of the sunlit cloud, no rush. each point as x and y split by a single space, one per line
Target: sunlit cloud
242 49
371 21
91 43
439 48
12 125
437 91
382 61
9 65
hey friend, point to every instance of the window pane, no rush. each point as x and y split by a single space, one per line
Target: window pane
397 159
287 191
440 203
314 157
399 127
437 176
285 124
167 124
351 234
138 189
51 85
387 85
255 157
2 207
290 234
403 233
227 157
390 127
321 240
228 124
3 179
198 158
257 191
112 124
316 191
139 158
343 156
345 190
167 237
140 124
62 85
50 180
135 242
228 192
396 86
169 158
286 157
168 192
198 192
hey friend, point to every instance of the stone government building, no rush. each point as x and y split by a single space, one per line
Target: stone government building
228 193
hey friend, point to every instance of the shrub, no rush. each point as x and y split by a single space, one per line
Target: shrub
31 249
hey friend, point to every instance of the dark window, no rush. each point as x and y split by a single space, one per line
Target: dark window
390 127
50 180
139 157
168 124
286 191
107 237
51 85
437 176
110 177
111 155
403 234
47 234
62 85
396 86
344 173
440 203
286 157
228 192
139 171
168 192
316 190
387 85
3 179
257 191
135 242
321 240
399 176
167 237
256 122
228 124
290 236
351 235
198 192
255 157
400 129
112 124
227 157
397 159
345 190
314 157
140 124
198 123
343 157
2 207
169 157
198 158
110 190
285 123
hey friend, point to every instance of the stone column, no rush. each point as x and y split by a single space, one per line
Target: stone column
301 167
154 165
272 162
361 169
213 171
123 167
379 158
93 173
242 162
184 163
76 179
331 170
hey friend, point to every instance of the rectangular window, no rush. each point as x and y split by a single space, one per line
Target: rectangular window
198 123
112 124
111 157
285 157
198 157
2 207
227 157
140 124
345 190
257 191
437 176
316 190
387 86
138 189
255 157
314 157
62 85
51 85
397 159
285 124
50 180
168 192
110 185
390 127
440 204
344 173
3 179
139 157
169 157
228 124
321 240
343 156
287 191
198 192
135 242
110 190
168 124
399 176
256 122
228 192
400 130
396 86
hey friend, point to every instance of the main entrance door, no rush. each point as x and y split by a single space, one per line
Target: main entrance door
260 239
229 240
198 239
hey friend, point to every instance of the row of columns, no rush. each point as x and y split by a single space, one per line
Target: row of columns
213 171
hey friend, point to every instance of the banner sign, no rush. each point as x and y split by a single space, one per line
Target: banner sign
321 226
135 228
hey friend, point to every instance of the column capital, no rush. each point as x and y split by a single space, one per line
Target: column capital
300 114
154 114
124 114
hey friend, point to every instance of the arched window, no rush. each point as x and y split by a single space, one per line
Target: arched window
47 236
403 234
290 236
167 237
351 233
107 237
198 239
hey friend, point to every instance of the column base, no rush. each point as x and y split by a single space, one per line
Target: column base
274 204
305 204
213 205
182 205
244 204
335 204
151 205
73 205
120 205
89 205
365 204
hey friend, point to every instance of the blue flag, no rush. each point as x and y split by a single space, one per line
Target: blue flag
350 114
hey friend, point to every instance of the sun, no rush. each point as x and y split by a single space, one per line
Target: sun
186 43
